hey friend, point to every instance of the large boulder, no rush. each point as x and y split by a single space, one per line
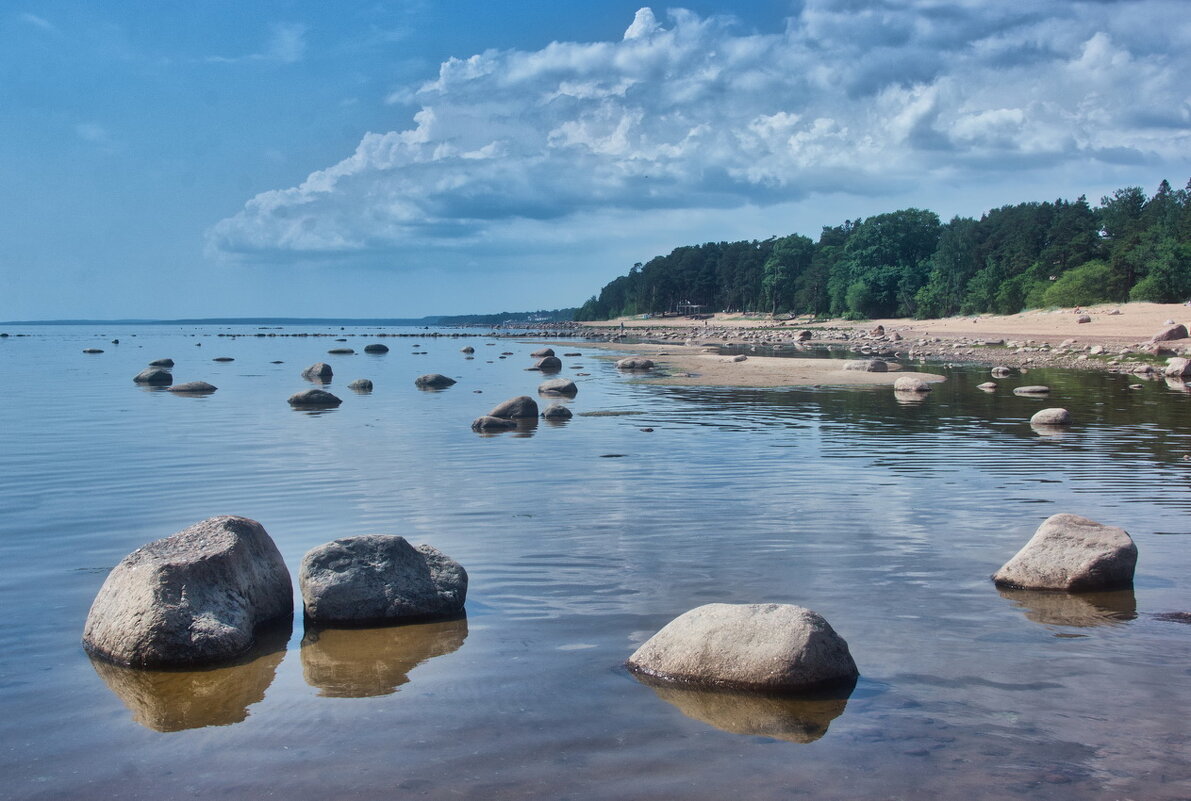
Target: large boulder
908 383
197 597
154 376
313 399
756 647
1072 553
564 387
379 578
319 371
521 406
635 363
548 364
1170 332
433 381
1177 367
867 365
194 388
1051 417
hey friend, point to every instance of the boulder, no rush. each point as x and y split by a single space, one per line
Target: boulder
193 388
154 376
1178 367
489 423
1032 390
756 647
1083 318
909 383
341 351
379 578
1051 417
804 336
558 386
866 365
987 386
548 364
361 385
1178 331
468 349
1000 372
740 357
556 411
162 363
635 363
433 381
1072 553
313 399
319 371
521 406
196 597
376 348
542 353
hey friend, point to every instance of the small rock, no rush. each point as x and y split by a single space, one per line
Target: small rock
542 353
360 385
558 386
1031 390
910 384
987 386
379 578
866 365
1051 417
556 411
341 351
1000 372
635 363
376 348
521 406
467 349
92 350
155 376
740 357
433 381
314 399
193 388
162 363
490 423
223 359
319 371
548 364
1177 367
1083 318
1072 553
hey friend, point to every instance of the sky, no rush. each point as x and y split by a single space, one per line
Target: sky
401 159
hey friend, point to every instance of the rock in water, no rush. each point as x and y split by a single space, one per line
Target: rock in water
467 349
489 423
556 411
196 597
910 384
1036 389
378 578
542 353
1072 553
194 388
1177 367
758 647
558 386
376 348
314 399
162 363
319 371
867 365
548 364
433 381
360 385
154 376
521 406
635 363
1051 417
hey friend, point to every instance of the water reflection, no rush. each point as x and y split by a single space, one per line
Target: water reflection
796 719
174 700
1086 609
359 663
1050 432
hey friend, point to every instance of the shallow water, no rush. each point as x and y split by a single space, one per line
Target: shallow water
885 517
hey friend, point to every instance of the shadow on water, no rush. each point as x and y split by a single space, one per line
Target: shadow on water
1084 610
174 700
360 663
800 718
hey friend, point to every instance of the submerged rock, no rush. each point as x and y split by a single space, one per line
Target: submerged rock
489 423
378 578
193 388
196 597
521 406
759 647
154 376
433 381
1072 553
361 385
313 399
910 384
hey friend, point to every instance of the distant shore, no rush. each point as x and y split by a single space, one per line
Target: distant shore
1114 338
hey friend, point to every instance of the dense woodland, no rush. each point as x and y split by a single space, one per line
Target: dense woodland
909 264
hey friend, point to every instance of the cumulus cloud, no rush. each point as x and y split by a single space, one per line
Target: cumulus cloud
695 112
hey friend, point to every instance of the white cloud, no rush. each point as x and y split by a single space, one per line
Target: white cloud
38 22
696 113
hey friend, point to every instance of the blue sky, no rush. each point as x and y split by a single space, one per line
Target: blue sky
409 158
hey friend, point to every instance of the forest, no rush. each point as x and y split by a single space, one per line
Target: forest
908 263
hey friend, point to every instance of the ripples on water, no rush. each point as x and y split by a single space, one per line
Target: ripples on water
887 518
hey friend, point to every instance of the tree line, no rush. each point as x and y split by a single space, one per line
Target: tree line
909 264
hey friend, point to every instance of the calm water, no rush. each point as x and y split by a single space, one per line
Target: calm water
886 518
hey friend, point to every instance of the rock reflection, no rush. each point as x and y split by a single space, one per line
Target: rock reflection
174 700
359 663
1055 608
796 719
1049 431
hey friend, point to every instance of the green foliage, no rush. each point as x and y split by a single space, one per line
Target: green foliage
1082 286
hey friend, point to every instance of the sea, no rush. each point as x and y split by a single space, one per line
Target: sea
581 539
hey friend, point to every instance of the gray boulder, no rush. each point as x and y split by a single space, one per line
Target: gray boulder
910 384
377 578
1072 553
548 364
467 349
521 406
193 388
376 348
1032 390
196 597
361 385
313 399
489 423
154 376
1177 367
867 365
162 363
433 381
635 363
319 371
558 386
756 647
556 411
542 353
1051 417
1170 332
